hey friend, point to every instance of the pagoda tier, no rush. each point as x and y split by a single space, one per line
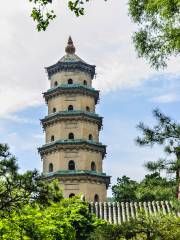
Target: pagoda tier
88 182
71 63
72 116
72 89
75 144
80 174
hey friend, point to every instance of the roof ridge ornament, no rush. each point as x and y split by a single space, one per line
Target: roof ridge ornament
70 49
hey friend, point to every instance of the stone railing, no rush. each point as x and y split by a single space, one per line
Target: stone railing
118 212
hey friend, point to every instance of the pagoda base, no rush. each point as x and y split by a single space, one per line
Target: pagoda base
92 186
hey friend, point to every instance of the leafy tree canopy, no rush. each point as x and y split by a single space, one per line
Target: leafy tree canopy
152 188
125 189
156 188
158 35
167 133
67 219
17 189
144 227
32 208
43 15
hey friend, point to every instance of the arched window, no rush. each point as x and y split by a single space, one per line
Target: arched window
52 138
90 137
55 83
71 135
71 165
50 167
54 110
96 198
71 195
87 109
70 108
70 81
93 166
85 82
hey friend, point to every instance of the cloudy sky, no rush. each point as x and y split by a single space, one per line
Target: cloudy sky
129 88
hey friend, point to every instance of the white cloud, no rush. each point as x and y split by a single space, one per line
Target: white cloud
161 89
39 136
167 98
17 141
102 37
21 120
121 71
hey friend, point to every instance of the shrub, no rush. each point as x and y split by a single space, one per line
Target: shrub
145 227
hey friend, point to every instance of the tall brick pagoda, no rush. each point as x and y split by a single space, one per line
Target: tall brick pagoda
72 152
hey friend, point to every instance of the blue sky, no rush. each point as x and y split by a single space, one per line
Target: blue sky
129 88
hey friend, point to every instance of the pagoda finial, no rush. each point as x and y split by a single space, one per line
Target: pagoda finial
70 49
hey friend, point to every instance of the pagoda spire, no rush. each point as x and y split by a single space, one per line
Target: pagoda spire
70 49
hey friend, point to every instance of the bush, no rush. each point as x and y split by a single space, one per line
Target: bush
152 227
68 219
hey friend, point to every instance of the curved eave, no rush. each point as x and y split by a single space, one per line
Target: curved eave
79 173
71 66
71 88
71 144
66 115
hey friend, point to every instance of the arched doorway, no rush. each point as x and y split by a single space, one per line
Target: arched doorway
90 137
70 108
71 195
71 135
71 165
70 81
87 109
96 198
93 166
50 167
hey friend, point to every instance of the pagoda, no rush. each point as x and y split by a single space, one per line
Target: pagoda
72 152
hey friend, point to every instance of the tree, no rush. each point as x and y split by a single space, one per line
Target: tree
32 208
17 189
106 232
155 188
152 188
125 190
42 15
166 132
158 36
66 219
149 227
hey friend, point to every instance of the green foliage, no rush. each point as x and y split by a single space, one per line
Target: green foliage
33 223
106 232
125 189
67 219
158 36
152 227
41 14
79 216
145 227
17 189
166 132
32 208
77 6
155 188
152 188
